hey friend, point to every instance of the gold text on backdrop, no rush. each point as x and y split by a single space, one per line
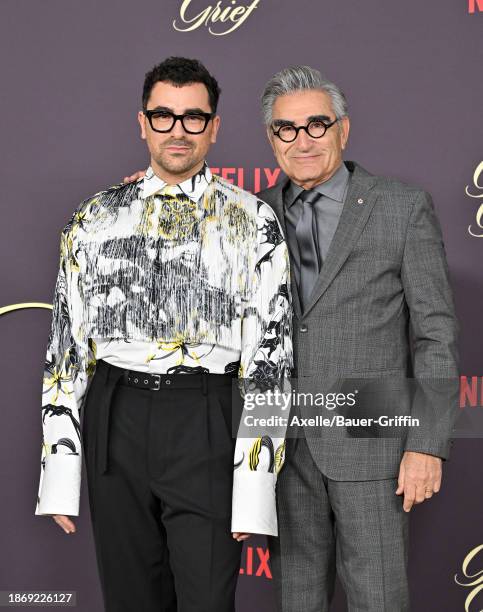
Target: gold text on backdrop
475 581
233 13
12 307
478 185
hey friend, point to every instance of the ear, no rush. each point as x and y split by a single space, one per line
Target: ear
142 124
215 126
344 131
270 137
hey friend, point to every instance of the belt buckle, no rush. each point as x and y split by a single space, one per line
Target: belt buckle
157 382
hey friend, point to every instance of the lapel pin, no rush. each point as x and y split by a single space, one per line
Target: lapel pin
360 201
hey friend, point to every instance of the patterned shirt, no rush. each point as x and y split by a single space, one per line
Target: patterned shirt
185 278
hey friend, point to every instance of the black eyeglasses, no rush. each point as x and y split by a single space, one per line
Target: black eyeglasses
164 121
315 129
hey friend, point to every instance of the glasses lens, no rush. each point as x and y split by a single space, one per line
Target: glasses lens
194 123
287 133
161 120
316 129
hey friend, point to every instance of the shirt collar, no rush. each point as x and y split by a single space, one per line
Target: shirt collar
193 187
334 188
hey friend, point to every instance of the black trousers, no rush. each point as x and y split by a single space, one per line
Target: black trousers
160 472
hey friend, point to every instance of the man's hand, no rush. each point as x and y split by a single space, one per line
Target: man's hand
64 522
134 177
419 477
239 537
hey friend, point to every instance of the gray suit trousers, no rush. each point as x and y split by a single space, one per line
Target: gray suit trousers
358 528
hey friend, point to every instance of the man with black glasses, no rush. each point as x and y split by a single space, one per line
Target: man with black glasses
168 288
374 314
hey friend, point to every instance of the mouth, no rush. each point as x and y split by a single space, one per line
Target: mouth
303 158
177 149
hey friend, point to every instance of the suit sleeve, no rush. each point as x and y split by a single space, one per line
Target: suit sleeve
434 327
63 387
266 362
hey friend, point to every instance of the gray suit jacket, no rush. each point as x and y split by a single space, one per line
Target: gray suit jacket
382 307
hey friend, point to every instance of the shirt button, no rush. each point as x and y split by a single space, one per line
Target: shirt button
168 382
303 328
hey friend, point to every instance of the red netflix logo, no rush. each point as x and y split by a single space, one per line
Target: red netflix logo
475 5
256 562
254 180
470 388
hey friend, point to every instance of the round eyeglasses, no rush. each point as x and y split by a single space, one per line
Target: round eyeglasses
315 129
164 121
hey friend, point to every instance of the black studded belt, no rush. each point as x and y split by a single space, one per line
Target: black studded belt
155 382
145 380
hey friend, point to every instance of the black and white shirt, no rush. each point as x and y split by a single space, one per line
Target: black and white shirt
158 278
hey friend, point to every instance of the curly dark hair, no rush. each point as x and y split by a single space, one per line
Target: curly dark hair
181 71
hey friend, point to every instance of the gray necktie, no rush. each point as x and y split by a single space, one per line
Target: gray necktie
306 234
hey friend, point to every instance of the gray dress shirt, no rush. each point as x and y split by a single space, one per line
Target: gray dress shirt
327 209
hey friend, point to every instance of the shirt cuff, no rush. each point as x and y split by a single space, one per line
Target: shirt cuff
254 506
59 489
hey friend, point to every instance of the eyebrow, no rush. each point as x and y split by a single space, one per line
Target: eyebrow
188 111
278 122
319 118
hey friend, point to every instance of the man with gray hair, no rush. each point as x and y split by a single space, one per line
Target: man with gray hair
367 265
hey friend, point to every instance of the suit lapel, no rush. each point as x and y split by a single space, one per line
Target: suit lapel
276 202
358 205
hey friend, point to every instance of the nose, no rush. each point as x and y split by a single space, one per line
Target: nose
178 131
303 140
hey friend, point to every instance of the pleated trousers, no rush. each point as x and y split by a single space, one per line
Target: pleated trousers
160 472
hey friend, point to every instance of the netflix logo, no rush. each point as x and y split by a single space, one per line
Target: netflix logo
255 562
475 6
252 180
471 391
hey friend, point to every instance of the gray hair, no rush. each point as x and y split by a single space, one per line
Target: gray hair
301 78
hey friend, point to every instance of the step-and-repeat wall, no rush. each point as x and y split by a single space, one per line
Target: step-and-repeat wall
71 78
